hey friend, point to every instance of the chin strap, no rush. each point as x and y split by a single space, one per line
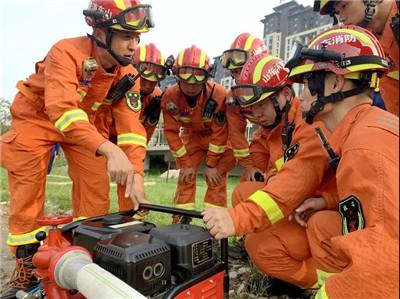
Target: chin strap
369 12
123 61
278 111
318 105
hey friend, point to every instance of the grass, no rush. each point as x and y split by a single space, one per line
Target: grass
58 191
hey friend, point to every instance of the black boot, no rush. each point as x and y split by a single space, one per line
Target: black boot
236 250
22 277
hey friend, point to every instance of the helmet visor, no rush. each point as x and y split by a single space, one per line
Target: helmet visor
151 71
234 58
133 18
248 94
192 75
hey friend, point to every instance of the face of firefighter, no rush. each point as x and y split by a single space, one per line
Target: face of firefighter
123 43
236 74
333 84
264 110
191 89
146 86
350 12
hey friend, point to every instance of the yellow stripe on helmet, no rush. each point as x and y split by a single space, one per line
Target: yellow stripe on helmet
120 4
249 43
259 67
142 49
180 57
202 61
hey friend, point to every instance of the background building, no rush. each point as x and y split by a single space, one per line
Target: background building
291 21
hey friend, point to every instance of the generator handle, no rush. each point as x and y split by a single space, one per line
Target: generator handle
170 210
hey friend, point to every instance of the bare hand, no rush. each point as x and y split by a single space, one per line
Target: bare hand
250 174
212 176
306 209
219 222
137 191
119 167
186 175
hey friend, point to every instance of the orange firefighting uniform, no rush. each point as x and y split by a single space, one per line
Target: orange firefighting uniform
278 247
148 124
248 156
389 83
202 139
362 244
58 104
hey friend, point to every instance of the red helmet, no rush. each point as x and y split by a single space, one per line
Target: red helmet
192 65
350 51
343 50
262 76
242 48
150 62
127 15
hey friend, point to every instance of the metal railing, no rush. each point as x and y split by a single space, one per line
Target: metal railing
158 139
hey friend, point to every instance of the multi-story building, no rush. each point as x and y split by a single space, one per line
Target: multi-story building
291 22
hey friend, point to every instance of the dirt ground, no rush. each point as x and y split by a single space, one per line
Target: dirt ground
240 271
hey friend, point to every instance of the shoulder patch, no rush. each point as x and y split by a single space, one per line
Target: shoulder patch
220 118
89 69
133 100
352 216
291 152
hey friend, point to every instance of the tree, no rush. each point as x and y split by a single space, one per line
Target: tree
5 115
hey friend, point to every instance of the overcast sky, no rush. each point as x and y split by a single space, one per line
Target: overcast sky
28 28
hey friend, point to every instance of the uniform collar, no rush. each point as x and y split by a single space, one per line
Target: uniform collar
342 131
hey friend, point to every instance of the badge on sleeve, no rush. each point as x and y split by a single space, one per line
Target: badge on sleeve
352 215
133 100
89 69
291 152
220 118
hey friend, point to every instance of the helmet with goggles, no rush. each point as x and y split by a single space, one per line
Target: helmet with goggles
192 65
242 48
118 15
261 78
350 51
150 62
327 7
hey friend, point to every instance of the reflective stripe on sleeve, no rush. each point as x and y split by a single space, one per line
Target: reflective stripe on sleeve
241 153
131 139
179 153
279 163
270 207
322 276
217 149
69 117
321 294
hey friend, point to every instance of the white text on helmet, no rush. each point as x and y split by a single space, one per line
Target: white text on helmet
338 39
274 71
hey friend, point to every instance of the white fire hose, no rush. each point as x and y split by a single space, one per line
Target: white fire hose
75 270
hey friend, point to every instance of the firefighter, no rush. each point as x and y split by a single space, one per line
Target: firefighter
151 65
355 240
57 104
298 170
198 106
381 17
253 159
